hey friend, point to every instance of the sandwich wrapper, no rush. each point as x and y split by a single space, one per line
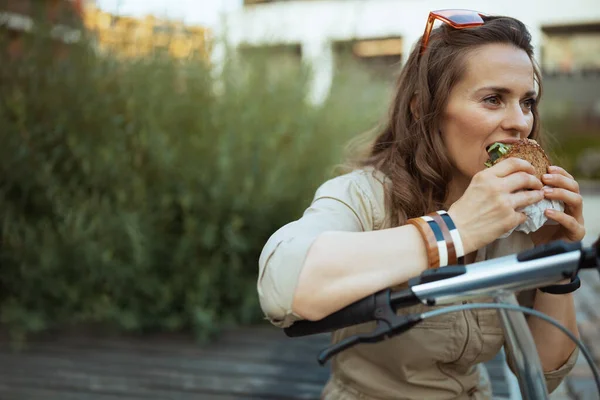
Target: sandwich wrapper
535 216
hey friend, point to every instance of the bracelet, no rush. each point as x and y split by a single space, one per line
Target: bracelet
442 240
564 288
433 253
456 239
440 243
447 238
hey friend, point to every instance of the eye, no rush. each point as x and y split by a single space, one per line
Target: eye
529 103
492 100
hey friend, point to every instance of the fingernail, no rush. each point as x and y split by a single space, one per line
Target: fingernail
548 190
547 176
550 211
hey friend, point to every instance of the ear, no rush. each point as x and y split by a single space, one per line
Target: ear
413 106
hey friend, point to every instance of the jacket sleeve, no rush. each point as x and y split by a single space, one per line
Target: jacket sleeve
553 378
345 203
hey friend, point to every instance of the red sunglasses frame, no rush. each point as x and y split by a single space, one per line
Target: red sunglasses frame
458 19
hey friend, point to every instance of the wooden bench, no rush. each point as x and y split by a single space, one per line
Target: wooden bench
257 362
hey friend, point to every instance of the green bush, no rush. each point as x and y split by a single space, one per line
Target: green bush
135 197
569 139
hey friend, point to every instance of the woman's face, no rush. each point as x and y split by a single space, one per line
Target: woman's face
492 102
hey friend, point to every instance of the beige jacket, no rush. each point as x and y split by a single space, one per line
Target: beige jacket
437 359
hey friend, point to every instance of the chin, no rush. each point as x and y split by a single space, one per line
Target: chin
478 171
462 177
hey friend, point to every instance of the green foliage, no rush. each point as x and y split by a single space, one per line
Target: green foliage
569 140
134 195
138 193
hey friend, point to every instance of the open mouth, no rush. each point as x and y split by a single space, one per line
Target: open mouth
503 141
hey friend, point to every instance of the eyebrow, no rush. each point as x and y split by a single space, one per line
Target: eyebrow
503 90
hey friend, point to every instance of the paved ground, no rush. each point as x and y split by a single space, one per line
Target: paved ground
579 385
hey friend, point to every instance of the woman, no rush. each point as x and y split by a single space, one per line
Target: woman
467 84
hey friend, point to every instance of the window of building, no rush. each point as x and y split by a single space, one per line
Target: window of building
571 48
380 57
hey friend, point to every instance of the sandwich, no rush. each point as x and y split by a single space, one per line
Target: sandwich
529 150
526 149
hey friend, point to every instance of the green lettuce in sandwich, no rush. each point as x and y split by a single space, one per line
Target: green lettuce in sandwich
526 149
496 152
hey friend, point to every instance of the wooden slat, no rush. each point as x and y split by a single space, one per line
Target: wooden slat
285 355
134 366
33 393
47 394
109 384
169 342
246 343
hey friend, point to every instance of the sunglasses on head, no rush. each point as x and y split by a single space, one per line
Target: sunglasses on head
458 19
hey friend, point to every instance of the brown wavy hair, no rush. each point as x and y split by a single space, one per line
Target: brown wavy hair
410 151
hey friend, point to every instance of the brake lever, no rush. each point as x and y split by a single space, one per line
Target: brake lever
388 325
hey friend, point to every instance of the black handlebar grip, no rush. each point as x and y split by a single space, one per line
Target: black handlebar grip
354 314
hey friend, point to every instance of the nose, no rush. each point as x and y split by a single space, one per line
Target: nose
517 120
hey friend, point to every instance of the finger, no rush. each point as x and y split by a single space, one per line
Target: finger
575 230
555 169
518 219
570 198
561 181
512 165
525 198
520 181
522 217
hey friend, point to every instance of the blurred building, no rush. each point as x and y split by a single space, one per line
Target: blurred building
569 48
380 33
18 19
122 35
570 59
129 36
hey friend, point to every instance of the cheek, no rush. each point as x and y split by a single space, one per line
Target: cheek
531 121
465 136
469 159
470 124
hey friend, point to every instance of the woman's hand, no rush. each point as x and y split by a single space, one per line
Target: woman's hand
570 222
488 208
